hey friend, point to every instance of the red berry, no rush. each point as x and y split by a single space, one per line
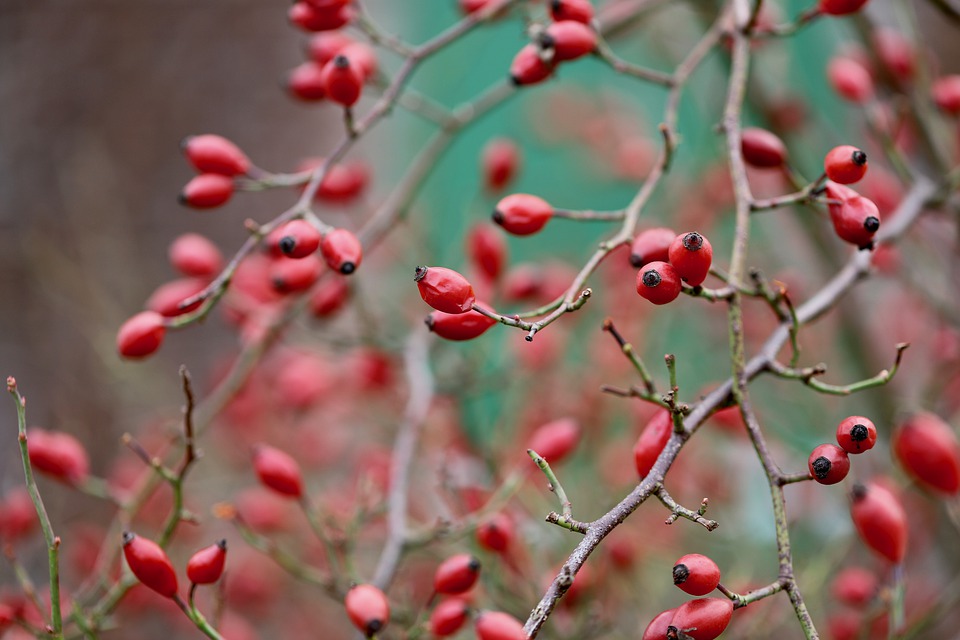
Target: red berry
696 574
880 520
290 276
691 256
828 464
845 164
522 214
495 625
141 335
329 297
457 574
194 255
207 191
471 6
496 533
657 629
854 586
305 82
762 149
215 154
206 566
368 608
487 250
166 298
296 239
946 93
855 219
323 47
926 447
59 455
841 7
449 617
363 57
555 440
459 326
312 18
569 40
444 289
856 434
850 79
658 282
576 10
342 81
528 67
703 618
895 51
342 251
499 160
278 471
651 441
651 245
150 564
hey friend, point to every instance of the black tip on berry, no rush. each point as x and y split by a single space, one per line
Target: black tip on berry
185 142
287 244
680 573
547 41
341 61
347 268
515 80
373 626
636 260
556 4
128 537
871 224
693 241
859 433
821 467
859 158
429 322
182 199
497 216
222 543
672 632
651 278
473 564
859 492
418 273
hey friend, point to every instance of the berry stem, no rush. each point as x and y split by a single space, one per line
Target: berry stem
555 486
678 511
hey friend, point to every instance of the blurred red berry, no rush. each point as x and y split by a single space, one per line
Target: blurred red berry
194 255
342 251
927 449
850 79
457 574
500 161
206 565
449 617
459 326
59 455
946 94
211 153
141 335
166 298
576 10
277 470
569 40
880 520
342 80
368 608
651 245
207 191
555 440
495 625
652 439
762 149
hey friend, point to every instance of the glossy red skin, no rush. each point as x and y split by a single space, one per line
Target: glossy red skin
845 434
342 251
841 7
290 276
651 441
666 290
850 79
854 586
570 40
496 533
576 10
310 18
59 455
277 470
342 81
166 298
296 239
449 616
496 625
841 167
522 214
329 297
141 335
946 93
762 149
324 46
880 521
487 250
651 245
499 160
211 153
207 191
555 440
528 67
194 255
700 577
927 449
657 629
710 616
457 574
150 564
693 263
206 565
835 469
445 290
305 82
459 326
363 58
368 608
850 213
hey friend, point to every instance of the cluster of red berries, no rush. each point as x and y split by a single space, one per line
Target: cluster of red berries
152 567
663 265
337 69
700 619
828 463
568 37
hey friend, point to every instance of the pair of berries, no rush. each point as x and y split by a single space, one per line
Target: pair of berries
828 463
339 79
688 258
150 564
218 161
453 297
568 38
298 239
700 619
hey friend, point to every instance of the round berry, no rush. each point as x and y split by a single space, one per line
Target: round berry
880 520
305 82
762 149
296 239
342 251
703 618
652 439
845 164
658 282
528 67
856 434
444 289
457 574
277 470
828 464
927 449
522 214
459 326
946 94
651 245
368 608
150 564
691 256
696 574
206 566
207 191
215 154
141 335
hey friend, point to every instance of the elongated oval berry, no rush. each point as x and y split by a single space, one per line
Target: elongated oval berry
166 298
459 326
496 533
449 617
696 574
206 565
856 434
211 153
658 282
703 618
569 40
342 81
207 191
762 149
312 18
927 449
651 245
850 79
487 250
496 625
59 455
522 214
277 470
150 564
457 574
651 441
305 82
691 256
324 46
141 335
854 586
855 218
444 289
657 629
342 251
296 239
845 164
555 440
528 67
471 6
291 276
840 7
828 464
576 10
946 93
880 520
329 297
195 255
368 608
499 160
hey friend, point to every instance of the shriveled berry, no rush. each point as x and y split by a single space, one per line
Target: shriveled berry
150 564
651 245
449 617
555 440
59 455
444 289
141 335
277 470
576 10
652 439
496 625
522 214
207 191
206 565
762 149
845 164
696 574
194 255
368 608
658 282
880 520
459 326
499 160
856 434
211 153
342 251
569 40
703 618
528 67
828 464
927 449
657 629
457 574
691 256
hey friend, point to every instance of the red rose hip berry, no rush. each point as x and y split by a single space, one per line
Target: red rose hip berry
928 451
855 219
449 617
762 149
651 442
206 565
845 164
58 454
651 245
828 464
207 191
457 574
658 282
342 81
499 160
460 326
277 470
341 250
444 289
657 629
215 154
569 40
528 67
368 608
141 335
576 10
522 214
296 239
555 440
703 618
496 625
856 434
150 564
696 574
880 520
194 255
691 256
